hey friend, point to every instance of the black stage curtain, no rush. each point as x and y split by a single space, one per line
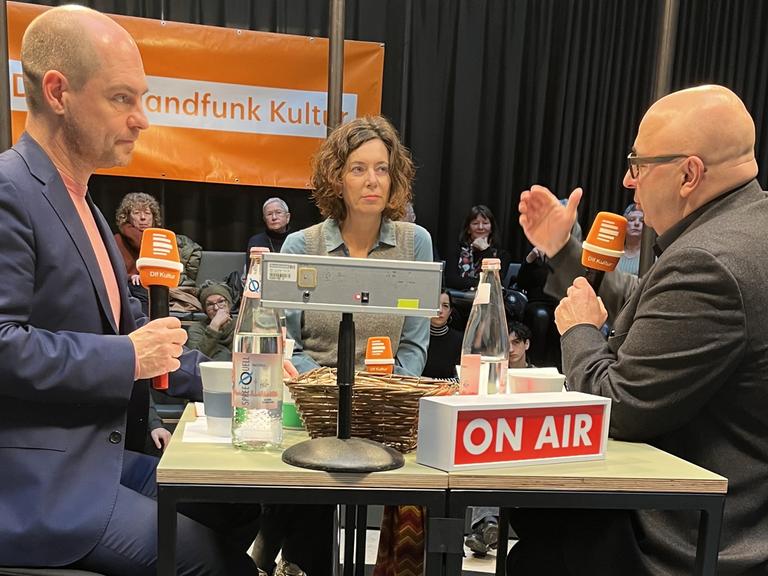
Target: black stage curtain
491 96
724 42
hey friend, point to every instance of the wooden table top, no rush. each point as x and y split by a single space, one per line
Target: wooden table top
203 463
628 466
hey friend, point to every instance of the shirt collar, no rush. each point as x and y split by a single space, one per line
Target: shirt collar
334 242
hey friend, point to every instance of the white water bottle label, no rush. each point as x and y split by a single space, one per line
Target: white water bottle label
258 380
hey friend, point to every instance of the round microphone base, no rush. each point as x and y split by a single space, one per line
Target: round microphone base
343 455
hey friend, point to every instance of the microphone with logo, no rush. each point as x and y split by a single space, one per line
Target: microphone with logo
378 355
603 247
159 271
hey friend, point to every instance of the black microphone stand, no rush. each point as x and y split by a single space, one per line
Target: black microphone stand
344 453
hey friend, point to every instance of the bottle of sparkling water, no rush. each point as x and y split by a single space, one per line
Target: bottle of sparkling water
485 349
257 366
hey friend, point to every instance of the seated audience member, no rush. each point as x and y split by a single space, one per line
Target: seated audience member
137 212
276 219
213 335
630 261
686 365
519 342
485 519
478 239
444 350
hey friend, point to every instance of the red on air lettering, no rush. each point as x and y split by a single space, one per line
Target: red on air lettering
512 434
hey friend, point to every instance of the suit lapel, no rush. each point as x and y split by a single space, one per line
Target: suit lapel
57 195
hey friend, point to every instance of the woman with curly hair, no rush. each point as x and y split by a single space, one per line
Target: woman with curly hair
361 178
137 212
362 182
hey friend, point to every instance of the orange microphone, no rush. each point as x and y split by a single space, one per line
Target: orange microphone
378 355
603 247
159 271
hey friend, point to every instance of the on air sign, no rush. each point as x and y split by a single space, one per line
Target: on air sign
460 432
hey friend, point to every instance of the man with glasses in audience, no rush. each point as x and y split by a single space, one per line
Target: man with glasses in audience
687 362
276 219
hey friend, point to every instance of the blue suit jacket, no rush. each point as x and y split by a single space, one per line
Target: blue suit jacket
68 401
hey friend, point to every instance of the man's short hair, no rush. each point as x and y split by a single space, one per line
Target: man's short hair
56 41
275 200
522 331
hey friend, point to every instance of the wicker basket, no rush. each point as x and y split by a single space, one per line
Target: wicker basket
385 408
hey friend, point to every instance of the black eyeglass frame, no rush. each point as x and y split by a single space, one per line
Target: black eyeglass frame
634 161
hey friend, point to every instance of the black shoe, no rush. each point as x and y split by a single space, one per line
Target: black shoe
476 543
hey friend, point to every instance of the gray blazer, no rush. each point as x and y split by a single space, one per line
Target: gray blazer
686 367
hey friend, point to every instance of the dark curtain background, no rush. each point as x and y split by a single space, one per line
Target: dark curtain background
490 95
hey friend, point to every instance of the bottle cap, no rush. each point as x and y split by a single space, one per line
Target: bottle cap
258 250
491 264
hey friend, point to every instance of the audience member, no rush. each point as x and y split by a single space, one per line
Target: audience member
630 261
685 365
76 351
137 212
444 351
276 219
213 335
478 239
519 342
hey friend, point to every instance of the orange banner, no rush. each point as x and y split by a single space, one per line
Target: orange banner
227 105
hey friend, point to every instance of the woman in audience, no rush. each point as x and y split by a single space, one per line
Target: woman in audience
444 342
478 240
137 212
213 335
630 262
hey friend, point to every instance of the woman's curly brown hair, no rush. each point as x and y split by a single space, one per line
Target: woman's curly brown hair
138 200
329 162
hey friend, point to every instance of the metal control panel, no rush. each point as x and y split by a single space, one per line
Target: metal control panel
334 284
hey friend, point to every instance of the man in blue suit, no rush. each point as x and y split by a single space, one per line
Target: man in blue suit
75 350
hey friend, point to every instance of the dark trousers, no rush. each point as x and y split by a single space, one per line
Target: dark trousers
574 543
215 543
304 533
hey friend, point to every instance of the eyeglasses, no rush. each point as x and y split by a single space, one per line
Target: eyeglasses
277 213
217 304
634 161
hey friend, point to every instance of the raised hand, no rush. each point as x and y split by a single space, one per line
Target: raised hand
545 221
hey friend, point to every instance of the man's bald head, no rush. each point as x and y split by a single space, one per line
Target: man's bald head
66 39
706 121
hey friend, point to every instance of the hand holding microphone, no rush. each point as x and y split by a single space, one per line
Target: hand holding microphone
158 345
601 252
159 271
580 306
